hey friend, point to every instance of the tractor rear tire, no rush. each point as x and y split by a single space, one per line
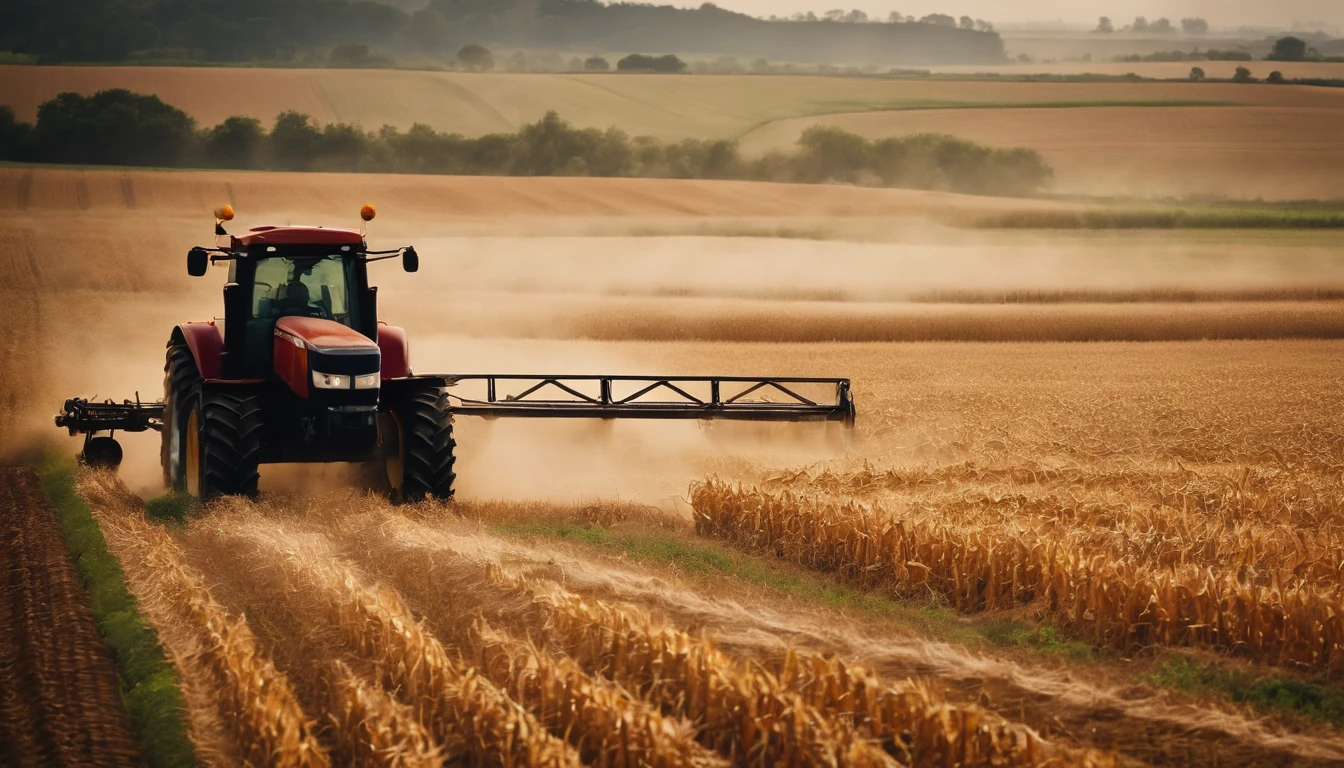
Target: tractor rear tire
424 430
231 429
181 382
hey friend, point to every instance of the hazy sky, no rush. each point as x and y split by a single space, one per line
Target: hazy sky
1220 13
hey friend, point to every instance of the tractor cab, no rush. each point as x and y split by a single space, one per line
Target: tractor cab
276 273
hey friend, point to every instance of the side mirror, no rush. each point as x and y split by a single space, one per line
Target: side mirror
197 262
410 260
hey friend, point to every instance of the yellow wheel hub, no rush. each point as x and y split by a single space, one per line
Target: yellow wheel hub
193 463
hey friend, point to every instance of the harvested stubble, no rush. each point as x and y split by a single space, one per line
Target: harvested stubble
606 724
257 701
811 711
988 566
371 728
741 709
476 722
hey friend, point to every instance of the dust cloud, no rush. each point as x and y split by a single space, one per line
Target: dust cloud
95 280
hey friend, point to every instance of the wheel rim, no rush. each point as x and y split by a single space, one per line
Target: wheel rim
193 462
395 463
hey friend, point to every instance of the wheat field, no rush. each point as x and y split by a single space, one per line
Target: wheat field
1122 446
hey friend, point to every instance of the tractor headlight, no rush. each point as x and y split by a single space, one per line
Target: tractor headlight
367 381
330 381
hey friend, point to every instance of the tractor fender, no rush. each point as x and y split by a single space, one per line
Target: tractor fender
395 350
206 345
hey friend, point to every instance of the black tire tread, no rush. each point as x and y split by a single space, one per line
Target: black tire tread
232 430
180 379
429 449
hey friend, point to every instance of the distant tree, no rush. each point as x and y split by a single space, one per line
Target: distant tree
939 19
835 14
966 22
476 57
1197 74
112 127
1140 24
349 55
895 17
1194 27
1162 26
518 62
235 143
1275 77
14 136
295 141
1104 26
983 26
856 17
596 64
760 66
638 62
1242 75
430 30
1288 49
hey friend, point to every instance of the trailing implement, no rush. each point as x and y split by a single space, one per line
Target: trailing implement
299 369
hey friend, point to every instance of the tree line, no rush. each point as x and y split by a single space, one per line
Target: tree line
280 31
118 127
1162 26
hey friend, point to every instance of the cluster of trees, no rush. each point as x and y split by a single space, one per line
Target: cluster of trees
1163 26
306 30
1241 75
855 16
122 128
1195 55
1296 49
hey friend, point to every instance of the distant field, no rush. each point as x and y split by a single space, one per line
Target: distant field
670 107
1240 152
1159 69
1250 141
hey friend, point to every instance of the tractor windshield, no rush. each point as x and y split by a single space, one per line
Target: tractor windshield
304 286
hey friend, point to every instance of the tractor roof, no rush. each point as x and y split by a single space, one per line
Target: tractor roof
298 236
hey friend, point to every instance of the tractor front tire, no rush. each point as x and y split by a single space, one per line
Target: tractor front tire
231 426
181 383
420 463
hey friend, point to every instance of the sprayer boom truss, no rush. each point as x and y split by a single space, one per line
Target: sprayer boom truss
738 398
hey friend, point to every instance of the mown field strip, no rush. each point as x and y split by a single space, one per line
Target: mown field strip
688 676
228 681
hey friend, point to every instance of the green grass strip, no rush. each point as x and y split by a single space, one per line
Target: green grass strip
1315 700
149 682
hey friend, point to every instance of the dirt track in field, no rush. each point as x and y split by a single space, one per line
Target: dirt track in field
60 700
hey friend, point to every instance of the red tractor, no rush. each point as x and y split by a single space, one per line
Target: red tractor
300 370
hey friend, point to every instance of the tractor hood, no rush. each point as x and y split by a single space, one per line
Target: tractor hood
306 347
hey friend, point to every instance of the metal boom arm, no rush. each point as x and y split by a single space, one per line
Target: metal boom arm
738 398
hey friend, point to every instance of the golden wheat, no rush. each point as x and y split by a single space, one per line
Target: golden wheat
1111 598
473 719
371 728
606 724
256 701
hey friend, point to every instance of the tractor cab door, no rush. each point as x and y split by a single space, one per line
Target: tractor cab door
293 286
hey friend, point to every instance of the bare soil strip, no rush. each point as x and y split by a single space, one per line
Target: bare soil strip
60 699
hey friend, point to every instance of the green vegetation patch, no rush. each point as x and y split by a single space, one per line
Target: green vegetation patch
1313 699
149 681
172 508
